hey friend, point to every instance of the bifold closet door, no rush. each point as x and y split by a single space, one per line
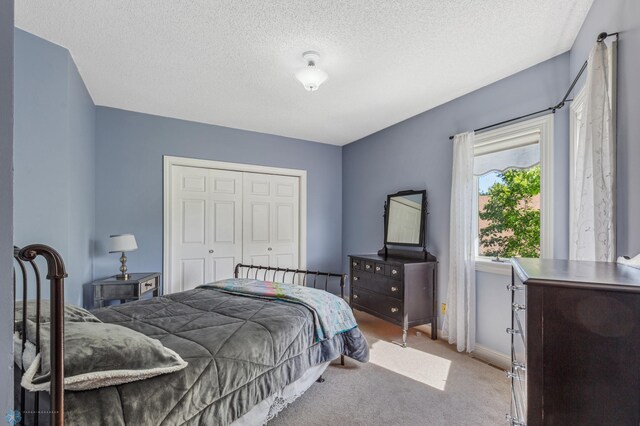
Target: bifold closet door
271 209
206 225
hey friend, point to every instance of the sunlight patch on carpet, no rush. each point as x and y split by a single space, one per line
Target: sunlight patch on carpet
420 366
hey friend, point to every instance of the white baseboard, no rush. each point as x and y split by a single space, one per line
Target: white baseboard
492 357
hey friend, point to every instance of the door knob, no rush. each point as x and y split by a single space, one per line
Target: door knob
210 251
269 249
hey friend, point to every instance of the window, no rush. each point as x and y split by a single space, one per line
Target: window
512 169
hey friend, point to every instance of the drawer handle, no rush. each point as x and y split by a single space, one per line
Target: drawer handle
394 289
378 268
515 421
513 331
516 307
355 263
513 376
367 266
519 366
394 309
394 272
355 296
356 278
515 287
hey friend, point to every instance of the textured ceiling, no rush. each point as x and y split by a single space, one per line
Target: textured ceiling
232 63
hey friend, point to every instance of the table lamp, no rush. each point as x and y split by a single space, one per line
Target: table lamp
121 244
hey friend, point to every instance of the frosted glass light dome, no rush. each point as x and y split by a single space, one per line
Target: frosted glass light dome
311 76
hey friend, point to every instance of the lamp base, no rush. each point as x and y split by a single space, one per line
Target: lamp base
123 269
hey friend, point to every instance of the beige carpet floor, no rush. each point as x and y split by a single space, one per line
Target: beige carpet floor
427 383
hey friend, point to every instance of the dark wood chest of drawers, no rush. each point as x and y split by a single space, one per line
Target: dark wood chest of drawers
575 339
401 291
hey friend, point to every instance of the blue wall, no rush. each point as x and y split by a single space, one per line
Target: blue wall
417 153
54 157
129 151
6 206
620 16
67 150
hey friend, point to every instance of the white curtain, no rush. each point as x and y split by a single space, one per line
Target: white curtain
460 318
593 234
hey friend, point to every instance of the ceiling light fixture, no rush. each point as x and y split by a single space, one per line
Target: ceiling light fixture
311 76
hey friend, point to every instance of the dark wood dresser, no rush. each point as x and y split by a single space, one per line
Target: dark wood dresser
575 338
399 290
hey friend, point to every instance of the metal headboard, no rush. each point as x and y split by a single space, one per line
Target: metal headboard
55 274
297 276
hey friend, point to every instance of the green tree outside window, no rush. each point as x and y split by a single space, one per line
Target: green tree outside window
511 215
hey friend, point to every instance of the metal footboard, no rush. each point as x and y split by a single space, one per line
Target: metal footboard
315 279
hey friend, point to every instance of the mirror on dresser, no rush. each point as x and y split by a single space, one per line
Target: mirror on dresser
399 285
405 218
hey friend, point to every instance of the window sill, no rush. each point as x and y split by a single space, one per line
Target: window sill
499 268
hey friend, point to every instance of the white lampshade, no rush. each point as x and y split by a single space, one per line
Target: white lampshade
122 242
311 77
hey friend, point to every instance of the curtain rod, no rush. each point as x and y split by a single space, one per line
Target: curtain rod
553 109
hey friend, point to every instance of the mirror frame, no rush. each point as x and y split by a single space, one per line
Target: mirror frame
423 216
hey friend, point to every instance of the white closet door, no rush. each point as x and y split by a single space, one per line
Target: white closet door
271 220
225 250
206 225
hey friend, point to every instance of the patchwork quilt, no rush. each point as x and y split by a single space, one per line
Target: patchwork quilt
331 314
240 350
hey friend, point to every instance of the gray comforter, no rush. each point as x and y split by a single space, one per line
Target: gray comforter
240 350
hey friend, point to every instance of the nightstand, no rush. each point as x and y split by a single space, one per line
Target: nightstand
125 290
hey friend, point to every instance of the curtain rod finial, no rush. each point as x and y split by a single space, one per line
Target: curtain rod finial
602 36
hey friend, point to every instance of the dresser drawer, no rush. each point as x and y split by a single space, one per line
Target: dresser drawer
147 286
356 263
378 284
115 291
368 266
386 306
518 407
393 271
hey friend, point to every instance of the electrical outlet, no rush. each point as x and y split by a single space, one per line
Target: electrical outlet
444 308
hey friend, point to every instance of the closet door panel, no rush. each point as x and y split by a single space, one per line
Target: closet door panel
189 227
206 225
192 273
285 205
270 225
225 249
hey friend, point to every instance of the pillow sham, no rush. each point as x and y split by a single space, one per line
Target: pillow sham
100 354
72 313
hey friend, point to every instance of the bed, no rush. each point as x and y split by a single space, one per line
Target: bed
248 357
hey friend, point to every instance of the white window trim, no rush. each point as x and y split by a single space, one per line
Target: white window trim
486 142
170 161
